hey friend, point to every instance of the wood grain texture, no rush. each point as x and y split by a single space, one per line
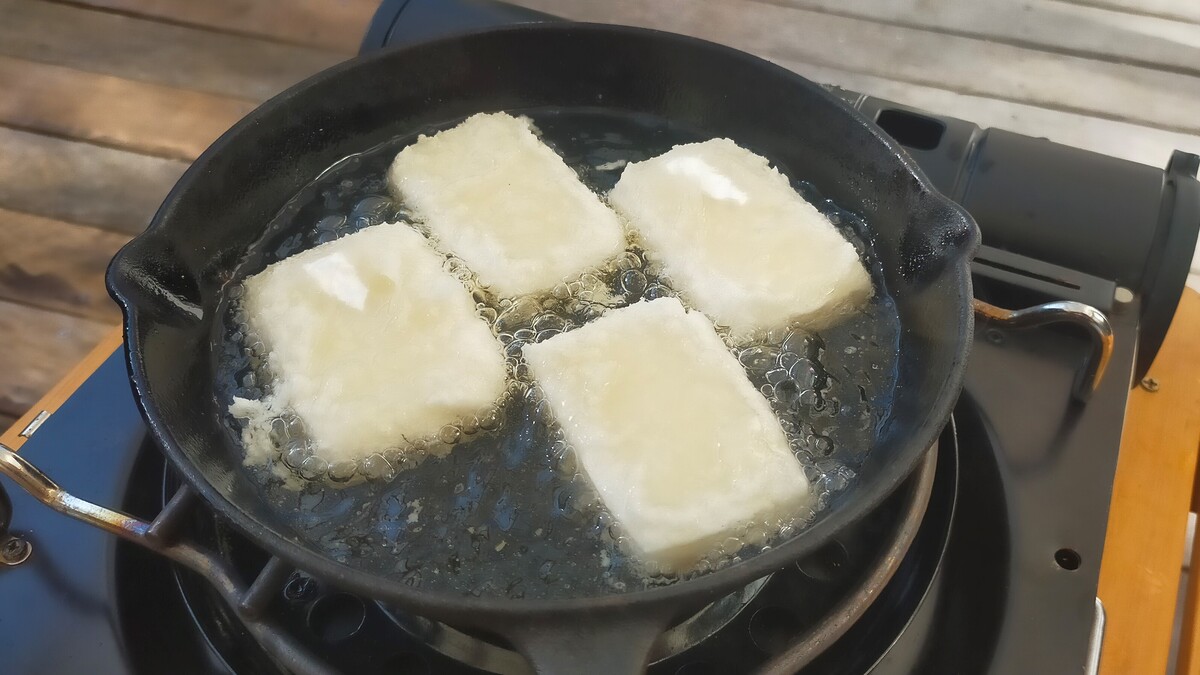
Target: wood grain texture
1060 82
1144 548
52 399
57 266
113 111
1187 661
332 24
152 51
1057 27
6 424
39 348
1108 137
1186 11
82 183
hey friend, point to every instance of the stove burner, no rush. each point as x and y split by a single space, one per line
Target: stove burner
492 654
751 629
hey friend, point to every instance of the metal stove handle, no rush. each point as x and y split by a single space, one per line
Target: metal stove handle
1064 312
159 537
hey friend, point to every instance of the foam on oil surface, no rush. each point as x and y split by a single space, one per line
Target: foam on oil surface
498 508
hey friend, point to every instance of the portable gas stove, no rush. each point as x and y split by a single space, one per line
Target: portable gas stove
999 575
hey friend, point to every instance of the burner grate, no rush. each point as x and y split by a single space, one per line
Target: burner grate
740 633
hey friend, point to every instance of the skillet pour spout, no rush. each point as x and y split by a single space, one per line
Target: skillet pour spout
170 280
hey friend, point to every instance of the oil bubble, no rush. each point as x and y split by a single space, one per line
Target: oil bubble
517 315
633 282
487 314
313 467
490 420
377 467
548 321
628 261
295 453
656 291
280 434
759 358
449 434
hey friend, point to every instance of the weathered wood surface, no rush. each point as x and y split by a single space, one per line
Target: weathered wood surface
330 24
1184 11
113 111
82 183
56 266
39 347
153 51
102 105
1108 90
1075 29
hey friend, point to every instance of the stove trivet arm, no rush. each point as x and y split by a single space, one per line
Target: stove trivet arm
160 536
1064 311
810 644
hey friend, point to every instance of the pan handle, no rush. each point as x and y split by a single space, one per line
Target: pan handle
1064 312
616 644
158 536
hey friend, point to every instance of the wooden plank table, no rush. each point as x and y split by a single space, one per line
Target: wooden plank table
104 102
1152 494
1153 490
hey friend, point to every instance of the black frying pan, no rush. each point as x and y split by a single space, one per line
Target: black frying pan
170 280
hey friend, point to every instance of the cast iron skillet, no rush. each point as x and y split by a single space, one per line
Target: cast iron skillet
168 280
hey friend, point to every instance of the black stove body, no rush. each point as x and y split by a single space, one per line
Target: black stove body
1001 577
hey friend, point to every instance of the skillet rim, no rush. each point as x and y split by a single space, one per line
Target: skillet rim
477 610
